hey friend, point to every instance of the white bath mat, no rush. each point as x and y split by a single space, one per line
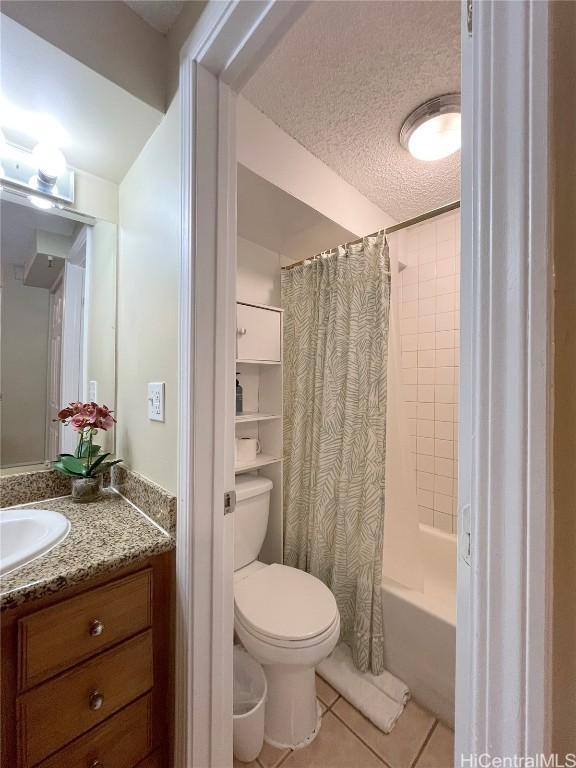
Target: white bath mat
380 698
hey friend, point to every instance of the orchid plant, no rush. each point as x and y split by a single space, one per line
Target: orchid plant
86 419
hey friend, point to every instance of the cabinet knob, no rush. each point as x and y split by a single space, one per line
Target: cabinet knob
241 331
95 701
96 628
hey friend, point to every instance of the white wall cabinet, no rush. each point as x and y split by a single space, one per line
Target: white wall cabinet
258 333
259 371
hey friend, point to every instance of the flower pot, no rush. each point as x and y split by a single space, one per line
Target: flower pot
86 489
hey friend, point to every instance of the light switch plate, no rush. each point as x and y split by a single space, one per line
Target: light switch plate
92 391
156 401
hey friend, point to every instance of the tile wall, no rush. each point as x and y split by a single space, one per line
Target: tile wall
430 344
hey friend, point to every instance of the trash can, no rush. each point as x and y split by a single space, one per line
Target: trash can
250 690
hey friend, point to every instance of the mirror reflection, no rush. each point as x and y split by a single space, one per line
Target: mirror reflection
58 327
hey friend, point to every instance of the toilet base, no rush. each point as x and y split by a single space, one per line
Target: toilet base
293 715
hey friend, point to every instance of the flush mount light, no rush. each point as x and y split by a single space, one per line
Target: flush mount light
432 131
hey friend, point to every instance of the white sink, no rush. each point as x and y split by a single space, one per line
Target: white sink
28 533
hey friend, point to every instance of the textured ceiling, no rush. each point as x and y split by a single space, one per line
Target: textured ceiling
160 14
342 81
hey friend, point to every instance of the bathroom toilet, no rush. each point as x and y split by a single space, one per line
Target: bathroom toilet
285 618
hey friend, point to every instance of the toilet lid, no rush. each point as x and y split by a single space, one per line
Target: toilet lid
285 603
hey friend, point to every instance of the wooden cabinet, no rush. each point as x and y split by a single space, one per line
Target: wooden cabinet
86 674
121 741
58 637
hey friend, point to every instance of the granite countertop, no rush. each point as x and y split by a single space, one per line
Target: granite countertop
105 535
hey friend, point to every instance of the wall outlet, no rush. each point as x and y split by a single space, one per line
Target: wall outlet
156 401
92 391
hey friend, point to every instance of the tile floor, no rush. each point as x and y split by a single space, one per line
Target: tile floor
348 740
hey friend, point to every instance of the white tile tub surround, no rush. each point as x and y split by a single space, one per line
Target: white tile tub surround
430 339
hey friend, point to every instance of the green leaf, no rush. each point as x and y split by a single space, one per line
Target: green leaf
59 467
106 465
97 463
74 465
93 452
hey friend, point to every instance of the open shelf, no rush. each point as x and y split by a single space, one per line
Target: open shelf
246 416
258 362
262 460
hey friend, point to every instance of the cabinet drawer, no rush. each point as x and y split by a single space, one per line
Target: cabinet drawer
258 333
154 761
56 712
58 637
120 742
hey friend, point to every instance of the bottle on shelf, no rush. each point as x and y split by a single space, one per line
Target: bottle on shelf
238 397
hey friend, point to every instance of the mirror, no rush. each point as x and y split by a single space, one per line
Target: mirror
58 327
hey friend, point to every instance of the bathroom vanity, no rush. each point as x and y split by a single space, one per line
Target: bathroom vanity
87 645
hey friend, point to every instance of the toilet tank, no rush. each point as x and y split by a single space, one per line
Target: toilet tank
250 517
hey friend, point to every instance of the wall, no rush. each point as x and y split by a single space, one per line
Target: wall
258 274
148 279
25 321
271 153
113 40
429 328
100 317
106 36
95 196
563 205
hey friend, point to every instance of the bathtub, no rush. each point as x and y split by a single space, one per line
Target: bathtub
420 626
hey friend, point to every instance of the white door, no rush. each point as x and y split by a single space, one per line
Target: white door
54 368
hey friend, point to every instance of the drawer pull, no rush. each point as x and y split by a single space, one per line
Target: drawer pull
242 331
96 628
95 701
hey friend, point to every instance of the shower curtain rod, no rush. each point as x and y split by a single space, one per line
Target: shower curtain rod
388 231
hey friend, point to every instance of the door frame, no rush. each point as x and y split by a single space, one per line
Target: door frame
226 46
72 367
502 694
504 622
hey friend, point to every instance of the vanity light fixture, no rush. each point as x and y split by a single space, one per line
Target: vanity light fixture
41 202
42 173
432 131
50 162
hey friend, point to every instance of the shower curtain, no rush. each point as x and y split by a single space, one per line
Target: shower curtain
336 313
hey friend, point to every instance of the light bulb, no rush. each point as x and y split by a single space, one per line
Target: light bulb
436 138
50 162
40 202
433 130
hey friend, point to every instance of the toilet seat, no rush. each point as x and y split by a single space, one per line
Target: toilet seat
285 607
294 645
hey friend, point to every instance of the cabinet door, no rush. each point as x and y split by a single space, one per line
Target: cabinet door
258 334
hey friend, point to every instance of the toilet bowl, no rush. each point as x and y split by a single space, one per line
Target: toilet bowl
288 621
285 618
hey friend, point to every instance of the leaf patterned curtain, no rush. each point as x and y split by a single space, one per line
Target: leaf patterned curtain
336 313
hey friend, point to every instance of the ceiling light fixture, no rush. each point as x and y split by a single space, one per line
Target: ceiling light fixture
432 131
